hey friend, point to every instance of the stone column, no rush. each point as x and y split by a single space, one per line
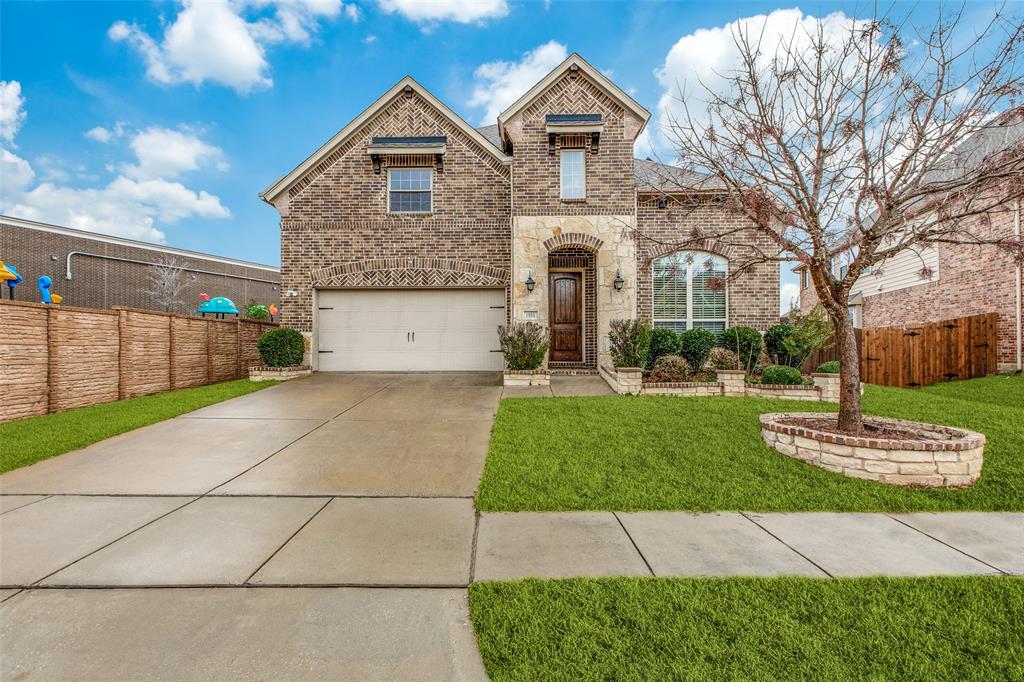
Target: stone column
828 384
732 381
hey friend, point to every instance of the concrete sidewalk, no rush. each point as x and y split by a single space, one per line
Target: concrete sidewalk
566 544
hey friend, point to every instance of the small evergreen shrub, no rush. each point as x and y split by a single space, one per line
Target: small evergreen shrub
281 347
630 342
524 345
256 311
695 344
746 343
664 341
670 368
781 374
811 332
723 358
830 367
774 343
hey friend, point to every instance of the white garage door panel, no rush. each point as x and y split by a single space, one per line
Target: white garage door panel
372 330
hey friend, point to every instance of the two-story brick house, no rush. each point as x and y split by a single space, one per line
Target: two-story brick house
410 236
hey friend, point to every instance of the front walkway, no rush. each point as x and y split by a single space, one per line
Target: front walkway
325 527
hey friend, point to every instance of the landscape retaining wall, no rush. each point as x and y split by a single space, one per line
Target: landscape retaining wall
55 358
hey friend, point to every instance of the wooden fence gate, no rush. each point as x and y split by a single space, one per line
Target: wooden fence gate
921 355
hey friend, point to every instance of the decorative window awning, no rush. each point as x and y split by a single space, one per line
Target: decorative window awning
580 124
408 146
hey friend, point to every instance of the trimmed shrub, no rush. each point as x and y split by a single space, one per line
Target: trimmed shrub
781 374
524 345
630 342
774 343
811 332
281 347
664 341
723 358
695 344
670 368
830 367
745 342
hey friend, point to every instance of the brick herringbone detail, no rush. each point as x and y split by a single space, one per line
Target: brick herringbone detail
409 272
574 239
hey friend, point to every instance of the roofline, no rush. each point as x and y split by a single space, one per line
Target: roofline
602 81
275 190
123 241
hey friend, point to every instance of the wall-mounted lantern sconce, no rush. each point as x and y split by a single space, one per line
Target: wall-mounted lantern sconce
618 281
291 293
530 284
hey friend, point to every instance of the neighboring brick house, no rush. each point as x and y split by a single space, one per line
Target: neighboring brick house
945 281
409 236
93 270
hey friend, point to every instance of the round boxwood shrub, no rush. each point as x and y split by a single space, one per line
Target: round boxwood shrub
745 342
281 347
781 374
830 367
695 344
664 341
775 344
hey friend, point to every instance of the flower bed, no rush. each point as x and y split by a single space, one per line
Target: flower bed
527 377
264 373
630 380
892 451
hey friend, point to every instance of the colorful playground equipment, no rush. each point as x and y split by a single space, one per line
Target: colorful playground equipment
272 309
218 306
9 275
44 291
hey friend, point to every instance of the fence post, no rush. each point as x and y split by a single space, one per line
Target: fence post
209 352
170 352
51 362
122 326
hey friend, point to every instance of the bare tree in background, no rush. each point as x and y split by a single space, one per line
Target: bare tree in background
868 143
167 280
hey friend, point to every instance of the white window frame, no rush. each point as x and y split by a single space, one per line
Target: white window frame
430 189
561 173
698 259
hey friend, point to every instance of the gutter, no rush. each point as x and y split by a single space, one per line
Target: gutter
1020 312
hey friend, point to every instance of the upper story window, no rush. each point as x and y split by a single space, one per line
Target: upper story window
689 291
574 174
803 279
409 190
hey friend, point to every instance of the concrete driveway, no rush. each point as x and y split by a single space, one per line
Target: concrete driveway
291 515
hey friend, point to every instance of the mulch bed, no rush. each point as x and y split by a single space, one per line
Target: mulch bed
878 430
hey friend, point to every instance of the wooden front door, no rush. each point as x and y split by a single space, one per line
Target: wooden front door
566 312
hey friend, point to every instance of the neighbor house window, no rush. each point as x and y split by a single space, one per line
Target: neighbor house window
803 279
409 190
690 291
574 174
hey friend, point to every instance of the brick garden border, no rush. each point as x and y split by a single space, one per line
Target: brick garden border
264 373
941 456
629 381
526 377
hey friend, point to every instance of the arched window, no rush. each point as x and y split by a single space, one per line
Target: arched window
690 291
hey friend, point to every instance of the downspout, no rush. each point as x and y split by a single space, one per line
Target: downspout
1017 270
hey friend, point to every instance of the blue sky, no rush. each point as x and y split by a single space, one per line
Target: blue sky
163 120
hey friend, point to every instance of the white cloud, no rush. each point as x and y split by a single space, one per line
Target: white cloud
99 133
707 56
166 153
12 109
789 296
353 13
499 84
129 205
370 39
212 40
461 11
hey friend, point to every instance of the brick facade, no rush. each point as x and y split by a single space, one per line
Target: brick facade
751 296
497 216
100 281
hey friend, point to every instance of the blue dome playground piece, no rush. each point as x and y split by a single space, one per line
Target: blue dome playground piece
219 306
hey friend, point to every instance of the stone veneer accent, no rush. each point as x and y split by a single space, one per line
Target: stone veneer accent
940 457
527 377
278 373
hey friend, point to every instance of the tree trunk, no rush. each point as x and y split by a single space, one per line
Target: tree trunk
850 417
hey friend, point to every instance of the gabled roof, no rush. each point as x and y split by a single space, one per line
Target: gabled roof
602 81
652 176
275 190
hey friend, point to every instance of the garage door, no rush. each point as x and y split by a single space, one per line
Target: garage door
409 330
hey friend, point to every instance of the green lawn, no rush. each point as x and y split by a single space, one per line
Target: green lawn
951 628
705 454
30 440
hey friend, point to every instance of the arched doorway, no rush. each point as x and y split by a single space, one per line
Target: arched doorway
572 307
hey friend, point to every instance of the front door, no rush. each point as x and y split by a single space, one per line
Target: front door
566 308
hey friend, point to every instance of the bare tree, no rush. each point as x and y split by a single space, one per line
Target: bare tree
867 143
166 282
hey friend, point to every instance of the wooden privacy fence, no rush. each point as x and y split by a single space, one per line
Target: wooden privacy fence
924 354
54 358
